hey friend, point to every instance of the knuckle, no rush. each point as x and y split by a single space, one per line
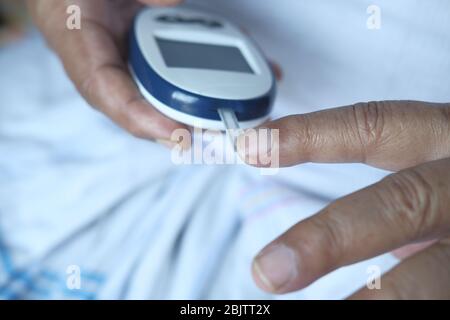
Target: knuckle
370 121
413 199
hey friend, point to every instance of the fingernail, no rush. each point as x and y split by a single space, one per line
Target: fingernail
276 266
254 144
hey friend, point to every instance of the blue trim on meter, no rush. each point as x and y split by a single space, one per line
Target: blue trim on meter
191 103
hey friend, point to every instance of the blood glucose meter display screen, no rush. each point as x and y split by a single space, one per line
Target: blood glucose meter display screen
180 54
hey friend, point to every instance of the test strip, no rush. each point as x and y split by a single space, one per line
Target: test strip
231 124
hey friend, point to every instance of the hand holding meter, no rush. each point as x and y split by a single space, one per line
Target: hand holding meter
199 69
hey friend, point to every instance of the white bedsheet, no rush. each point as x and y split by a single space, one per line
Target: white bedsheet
75 190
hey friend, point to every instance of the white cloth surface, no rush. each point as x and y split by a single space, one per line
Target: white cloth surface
77 190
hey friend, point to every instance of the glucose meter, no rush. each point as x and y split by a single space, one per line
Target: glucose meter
199 69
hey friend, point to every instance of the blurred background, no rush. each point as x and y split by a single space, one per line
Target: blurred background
13 20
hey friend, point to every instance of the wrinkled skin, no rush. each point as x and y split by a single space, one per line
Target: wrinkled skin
411 206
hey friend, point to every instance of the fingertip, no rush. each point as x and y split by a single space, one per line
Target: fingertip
242 148
275 268
259 147
259 278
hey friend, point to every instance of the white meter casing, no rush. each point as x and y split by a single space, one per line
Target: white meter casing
189 64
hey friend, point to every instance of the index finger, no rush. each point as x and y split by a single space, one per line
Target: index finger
389 134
